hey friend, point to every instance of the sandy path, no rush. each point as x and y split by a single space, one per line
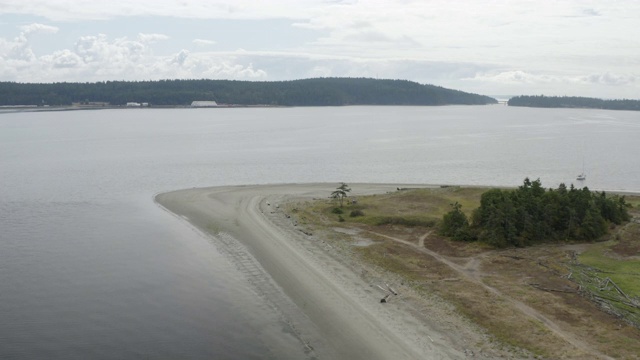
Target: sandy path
342 317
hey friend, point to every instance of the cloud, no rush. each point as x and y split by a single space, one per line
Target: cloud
180 57
151 38
591 12
379 37
18 52
517 82
229 70
514 77
63 59
202 42
525 78
320 71
608 78
99 58
38 28
75 10
99 49
186 65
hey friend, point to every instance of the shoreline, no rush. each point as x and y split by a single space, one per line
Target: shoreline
337 313
329 296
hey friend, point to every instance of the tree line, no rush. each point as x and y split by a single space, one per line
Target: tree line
532 214
574 102
306 92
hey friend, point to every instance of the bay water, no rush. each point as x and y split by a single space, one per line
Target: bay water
91 267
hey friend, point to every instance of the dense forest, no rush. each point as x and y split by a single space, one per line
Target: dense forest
574 102
531 214
308 92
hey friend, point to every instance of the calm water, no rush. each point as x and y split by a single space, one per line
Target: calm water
90 267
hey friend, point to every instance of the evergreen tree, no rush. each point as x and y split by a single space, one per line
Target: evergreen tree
341 192
455 224
530 214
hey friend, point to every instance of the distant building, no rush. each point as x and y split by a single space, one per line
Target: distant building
133 104
90 103
204 104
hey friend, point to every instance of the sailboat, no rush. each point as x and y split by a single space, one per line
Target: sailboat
583 175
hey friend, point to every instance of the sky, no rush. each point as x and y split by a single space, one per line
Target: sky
490 47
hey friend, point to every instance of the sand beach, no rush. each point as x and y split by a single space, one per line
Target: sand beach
333 309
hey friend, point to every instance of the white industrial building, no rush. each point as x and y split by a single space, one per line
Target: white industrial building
204 104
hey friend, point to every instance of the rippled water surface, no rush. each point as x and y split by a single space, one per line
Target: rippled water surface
90 267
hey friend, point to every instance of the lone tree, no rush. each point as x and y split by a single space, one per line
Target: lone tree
341 192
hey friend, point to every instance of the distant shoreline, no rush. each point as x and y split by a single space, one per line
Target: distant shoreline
100 107
27 108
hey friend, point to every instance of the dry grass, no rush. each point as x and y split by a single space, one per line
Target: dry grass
522 297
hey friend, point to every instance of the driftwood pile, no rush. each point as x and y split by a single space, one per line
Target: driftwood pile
601 289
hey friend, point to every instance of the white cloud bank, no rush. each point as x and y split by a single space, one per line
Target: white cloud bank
38 28
203 42
98 58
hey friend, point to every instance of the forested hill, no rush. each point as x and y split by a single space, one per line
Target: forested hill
574 102
308 92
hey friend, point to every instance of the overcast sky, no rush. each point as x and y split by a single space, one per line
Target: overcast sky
577 48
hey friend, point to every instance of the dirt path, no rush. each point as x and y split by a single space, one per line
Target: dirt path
471 272
422 238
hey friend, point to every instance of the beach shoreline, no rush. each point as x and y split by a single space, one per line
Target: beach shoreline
336 311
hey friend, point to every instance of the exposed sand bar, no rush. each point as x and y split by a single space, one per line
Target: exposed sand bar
341 307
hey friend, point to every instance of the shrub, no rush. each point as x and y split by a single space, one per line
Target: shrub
337 211
405 221
356 213
455 224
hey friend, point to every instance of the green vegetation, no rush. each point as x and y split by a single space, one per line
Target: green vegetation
574 102
411 208
455 224
566 283
307 92
341 193
612 283
530 215
625 273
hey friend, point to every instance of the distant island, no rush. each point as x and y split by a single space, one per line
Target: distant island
306 92
574 102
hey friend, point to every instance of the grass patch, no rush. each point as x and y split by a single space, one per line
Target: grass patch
634 201
625 273
616 260
417 207
410 221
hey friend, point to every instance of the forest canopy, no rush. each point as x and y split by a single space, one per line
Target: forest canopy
574 102
532 214
307 92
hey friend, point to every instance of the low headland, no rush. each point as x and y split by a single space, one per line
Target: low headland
375 278
227 93
578 102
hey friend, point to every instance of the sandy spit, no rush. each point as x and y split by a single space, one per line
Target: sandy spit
333 310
